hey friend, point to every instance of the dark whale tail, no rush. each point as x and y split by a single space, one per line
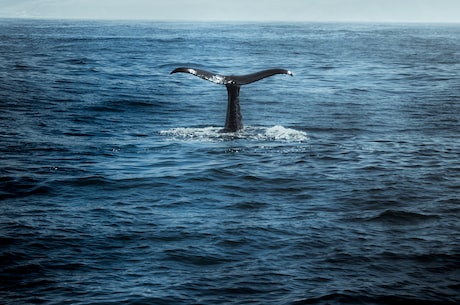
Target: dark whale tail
233 121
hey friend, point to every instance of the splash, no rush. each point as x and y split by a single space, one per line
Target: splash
213 134
280 133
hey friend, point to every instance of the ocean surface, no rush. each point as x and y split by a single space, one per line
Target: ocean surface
117 187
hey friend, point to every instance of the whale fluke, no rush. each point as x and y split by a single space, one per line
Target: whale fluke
233 121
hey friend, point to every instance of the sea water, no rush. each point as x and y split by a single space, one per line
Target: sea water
117 186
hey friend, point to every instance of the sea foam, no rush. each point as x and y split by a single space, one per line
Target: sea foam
205 134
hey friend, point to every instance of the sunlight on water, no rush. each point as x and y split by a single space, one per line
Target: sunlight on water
212 134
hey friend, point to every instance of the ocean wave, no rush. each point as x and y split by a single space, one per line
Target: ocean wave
402 217
252 133
11 187
341 298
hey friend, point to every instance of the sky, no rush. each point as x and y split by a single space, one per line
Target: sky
239 10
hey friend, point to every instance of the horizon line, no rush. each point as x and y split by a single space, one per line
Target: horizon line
233 20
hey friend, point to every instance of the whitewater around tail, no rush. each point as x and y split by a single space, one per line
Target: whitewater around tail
250 133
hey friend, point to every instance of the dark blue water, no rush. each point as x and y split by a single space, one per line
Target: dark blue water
117 188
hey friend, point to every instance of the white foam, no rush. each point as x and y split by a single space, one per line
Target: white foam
286 134
213 134
203 134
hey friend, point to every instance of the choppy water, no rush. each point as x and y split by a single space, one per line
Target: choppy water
117 188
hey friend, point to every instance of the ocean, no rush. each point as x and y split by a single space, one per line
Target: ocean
117 187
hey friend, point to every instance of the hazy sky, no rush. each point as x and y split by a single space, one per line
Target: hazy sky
239 10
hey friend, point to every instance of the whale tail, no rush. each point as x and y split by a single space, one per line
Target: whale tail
232 79
233 121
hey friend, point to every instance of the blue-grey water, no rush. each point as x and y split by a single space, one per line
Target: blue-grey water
117 188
